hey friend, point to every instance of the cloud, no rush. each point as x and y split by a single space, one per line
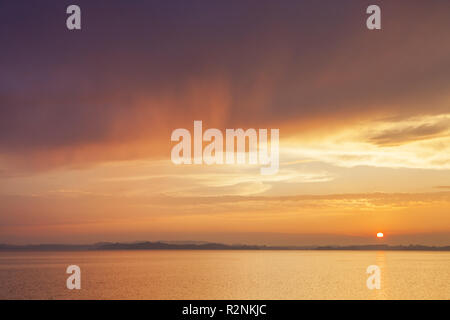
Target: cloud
361 201
422 131
421 142
116 90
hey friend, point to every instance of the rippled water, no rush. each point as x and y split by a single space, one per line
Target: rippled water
225 275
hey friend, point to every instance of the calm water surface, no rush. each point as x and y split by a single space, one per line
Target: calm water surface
225 275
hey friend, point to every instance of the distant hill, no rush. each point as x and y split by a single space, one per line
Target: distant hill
174 246
146 245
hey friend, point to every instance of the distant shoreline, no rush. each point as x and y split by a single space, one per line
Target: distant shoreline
207 246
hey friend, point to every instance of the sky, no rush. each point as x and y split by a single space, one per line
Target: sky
86 118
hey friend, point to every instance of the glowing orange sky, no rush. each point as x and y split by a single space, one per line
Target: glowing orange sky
364 123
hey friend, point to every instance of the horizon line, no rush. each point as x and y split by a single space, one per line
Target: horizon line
202 245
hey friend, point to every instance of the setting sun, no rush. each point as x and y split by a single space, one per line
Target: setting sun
380 235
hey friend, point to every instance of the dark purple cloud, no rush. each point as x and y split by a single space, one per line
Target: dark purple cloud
274 61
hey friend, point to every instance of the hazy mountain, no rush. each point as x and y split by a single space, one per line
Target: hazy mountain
146 245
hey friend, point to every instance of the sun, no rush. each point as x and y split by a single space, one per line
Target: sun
380 235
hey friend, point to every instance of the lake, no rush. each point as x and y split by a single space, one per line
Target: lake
224 274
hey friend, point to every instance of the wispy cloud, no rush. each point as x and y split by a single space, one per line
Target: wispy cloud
421 142
402 132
